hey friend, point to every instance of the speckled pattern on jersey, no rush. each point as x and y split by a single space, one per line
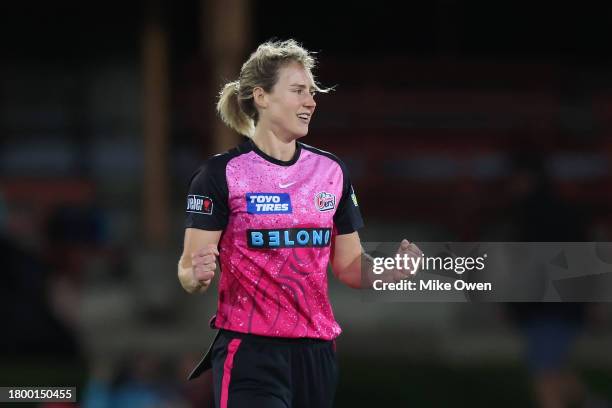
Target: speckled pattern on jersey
279 288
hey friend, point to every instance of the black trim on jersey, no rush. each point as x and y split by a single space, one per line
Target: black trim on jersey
294 159
347 217
210 181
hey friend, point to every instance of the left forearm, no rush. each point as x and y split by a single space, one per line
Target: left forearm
355 268
356 274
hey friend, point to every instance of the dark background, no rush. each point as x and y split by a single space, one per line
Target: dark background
448 113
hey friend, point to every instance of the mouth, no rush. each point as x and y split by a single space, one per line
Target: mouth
304 117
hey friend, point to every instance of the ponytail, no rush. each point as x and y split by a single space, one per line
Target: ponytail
230 111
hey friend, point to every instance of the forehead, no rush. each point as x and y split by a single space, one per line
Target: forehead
294 73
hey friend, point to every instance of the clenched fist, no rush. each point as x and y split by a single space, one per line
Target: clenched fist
204 264
413 253
199 275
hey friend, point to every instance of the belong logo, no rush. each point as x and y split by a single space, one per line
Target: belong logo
325 201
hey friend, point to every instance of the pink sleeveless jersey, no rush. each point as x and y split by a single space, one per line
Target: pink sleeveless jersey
279 220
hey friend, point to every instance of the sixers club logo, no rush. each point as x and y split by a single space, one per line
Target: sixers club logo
325 201
199 204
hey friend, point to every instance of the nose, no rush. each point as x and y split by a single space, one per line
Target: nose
310 102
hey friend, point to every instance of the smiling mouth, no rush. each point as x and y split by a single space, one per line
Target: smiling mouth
304 117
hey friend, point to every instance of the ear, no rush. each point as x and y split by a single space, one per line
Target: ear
260 97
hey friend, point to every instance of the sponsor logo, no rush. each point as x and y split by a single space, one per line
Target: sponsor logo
268 203
325 201
289 238
199 204
354 197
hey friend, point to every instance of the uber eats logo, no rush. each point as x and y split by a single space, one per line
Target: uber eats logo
268 203
199 204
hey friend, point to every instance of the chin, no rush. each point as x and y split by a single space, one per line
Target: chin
298 135
301 132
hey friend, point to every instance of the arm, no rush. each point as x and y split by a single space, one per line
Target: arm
207 213
198 261
349 261
346 256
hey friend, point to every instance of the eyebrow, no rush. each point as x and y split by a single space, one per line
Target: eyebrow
301 86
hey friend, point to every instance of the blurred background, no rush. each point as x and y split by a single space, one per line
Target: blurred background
459 121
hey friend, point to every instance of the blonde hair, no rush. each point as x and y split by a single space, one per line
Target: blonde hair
236 106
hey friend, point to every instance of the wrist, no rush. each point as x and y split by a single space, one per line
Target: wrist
187 280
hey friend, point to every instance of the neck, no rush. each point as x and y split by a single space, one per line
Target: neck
273 145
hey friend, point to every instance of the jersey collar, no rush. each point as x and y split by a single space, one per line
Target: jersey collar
294 159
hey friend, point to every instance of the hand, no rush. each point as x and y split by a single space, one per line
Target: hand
413 252
204 264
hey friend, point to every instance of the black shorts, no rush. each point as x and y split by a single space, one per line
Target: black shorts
255 371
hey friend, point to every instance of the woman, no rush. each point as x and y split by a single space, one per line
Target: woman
278 211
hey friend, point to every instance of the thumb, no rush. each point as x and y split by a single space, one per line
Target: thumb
405 244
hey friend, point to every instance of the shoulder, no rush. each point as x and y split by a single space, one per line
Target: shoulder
215 165
324 153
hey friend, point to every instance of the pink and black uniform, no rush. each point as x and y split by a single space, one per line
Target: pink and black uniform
279 220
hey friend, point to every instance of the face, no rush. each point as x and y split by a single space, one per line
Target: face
287 110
